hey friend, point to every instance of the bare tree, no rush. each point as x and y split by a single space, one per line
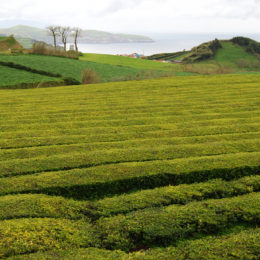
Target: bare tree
64 33
54 32
76 33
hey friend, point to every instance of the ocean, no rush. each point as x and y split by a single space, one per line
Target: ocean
162 43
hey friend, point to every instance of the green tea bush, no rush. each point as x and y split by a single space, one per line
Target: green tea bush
166 225
23 236
237 245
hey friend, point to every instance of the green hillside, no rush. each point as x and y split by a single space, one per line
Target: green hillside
155 169
231 54
9 43
239 52
87 36
70 67
10 77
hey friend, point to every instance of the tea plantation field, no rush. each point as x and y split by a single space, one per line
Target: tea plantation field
13 77
156 169
69 67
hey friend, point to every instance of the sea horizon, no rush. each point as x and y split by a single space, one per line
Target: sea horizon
162 43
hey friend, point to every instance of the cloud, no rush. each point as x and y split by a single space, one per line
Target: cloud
140 15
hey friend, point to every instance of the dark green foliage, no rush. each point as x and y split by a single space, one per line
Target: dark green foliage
235 245
239 243
249 44
180 194
24 236
167 56
70 81
165 225
108 188
202 52
22 67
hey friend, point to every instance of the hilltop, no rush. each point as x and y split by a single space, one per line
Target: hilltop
9 43
88 36
221 51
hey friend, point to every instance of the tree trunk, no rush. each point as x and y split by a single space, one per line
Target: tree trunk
55 44
76 46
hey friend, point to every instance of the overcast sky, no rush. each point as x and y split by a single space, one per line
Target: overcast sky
137 16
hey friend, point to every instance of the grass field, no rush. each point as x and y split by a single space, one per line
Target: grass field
156 169
130 62
69 67
10 77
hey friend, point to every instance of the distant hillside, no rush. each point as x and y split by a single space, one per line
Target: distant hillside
10 42
88 36
231 50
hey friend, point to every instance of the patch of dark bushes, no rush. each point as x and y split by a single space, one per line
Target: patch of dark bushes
248 44
70 81
166 56
202 52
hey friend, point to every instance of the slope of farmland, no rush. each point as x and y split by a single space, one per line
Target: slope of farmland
69 67
13 77
159 169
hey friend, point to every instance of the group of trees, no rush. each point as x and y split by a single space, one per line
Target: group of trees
64 33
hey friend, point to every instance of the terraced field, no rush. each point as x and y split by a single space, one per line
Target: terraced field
12 77
69 67
159 169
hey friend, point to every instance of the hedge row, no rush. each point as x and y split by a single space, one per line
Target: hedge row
164 226
65 80
238 244
81 159
44 143
42 206
101 181
136 118
32 205
22 67
241 245
181 194
128 123
24 236
44 84
30 152
125 133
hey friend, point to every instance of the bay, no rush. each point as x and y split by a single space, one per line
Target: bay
162 43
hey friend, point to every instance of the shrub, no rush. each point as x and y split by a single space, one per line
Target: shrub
89 76
203 52
249 44
165 225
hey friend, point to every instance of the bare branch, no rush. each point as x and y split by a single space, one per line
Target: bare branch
54 32
64 33
76 33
